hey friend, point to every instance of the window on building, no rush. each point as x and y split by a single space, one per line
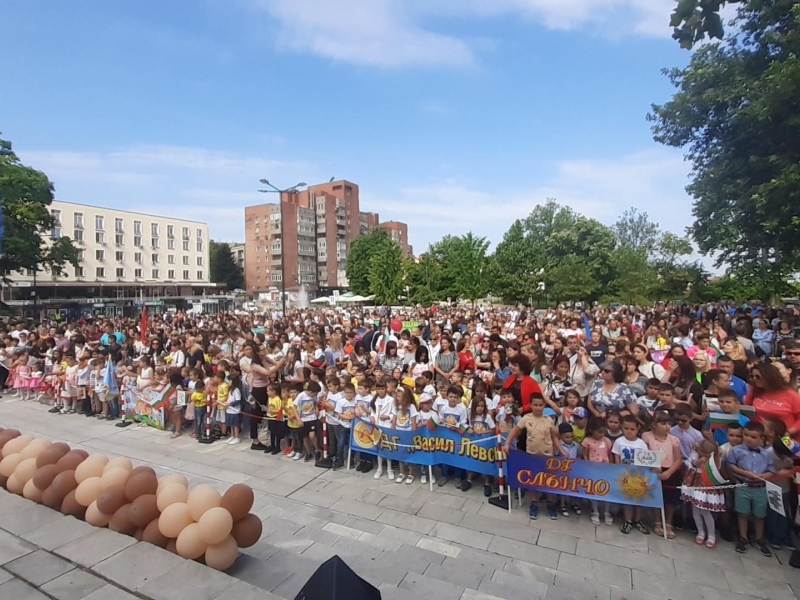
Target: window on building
119 239
171 274
120 272
78 220
155 258
118 225
100 271
170 244
154 229
82 255
199 234
199 245
137 241
154 242
186 275
276 277
137 257
199 261
99 254
78 237
120 256
137 273
199 274
79 272
171 259
186 260
185 233
98 222
99 237
186 245
155 273
170 231
137 228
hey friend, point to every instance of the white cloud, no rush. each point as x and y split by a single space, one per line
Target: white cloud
393 33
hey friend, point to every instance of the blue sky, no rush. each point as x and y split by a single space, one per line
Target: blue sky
451 115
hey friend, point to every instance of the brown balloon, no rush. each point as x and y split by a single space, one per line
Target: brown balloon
247 531
65 482
121 521
139 534
144 509
70 461
71 507
44 476
140 484
152 535
51 455
238 500
51 499
144 469
111 499
7 436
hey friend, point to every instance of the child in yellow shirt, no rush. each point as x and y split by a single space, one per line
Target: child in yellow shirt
275 423
223 392
288 394
198 398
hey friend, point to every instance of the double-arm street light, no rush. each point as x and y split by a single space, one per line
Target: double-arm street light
280 192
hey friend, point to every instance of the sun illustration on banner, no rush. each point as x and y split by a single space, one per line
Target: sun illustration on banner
634 487
366 437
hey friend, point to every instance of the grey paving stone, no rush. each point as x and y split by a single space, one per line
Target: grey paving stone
425 587
320 553
19 590
390 592
569 587
110 592
134 567
758 588
10 502
364 525
400 535
343 531
371 497
406 505
241 590
537 555
515 531
95 547
354 507
37 568
507 591
309 535
291 587
619 594
586 568
353 547
377 569
5 576
536 588
558 541
669 588
476 595
188 581
407 552
75 585
29 517
406 521
441 513
530 571
459 573
462 535
50 537
11 547
378 541
258 573
277 525
262 549
649 563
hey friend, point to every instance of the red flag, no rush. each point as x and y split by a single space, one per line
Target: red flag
143 325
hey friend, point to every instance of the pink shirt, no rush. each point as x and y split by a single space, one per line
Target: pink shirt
666 446
598 450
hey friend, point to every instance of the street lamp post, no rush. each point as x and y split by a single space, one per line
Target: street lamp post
280 192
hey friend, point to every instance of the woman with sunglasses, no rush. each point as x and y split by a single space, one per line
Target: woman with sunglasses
609 392
774 397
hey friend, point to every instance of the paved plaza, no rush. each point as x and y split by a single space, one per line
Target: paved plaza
408 541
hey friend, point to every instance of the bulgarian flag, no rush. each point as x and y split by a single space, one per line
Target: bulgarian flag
747 411
433 422
710 474
719 420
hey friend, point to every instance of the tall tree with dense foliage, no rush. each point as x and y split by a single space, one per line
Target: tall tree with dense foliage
362 249
735 113
32 237
385 273
223 267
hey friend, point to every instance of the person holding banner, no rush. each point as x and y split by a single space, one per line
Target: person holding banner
404 418
660 440
623 451
543 439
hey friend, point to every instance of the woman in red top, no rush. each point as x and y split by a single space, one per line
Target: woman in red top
466 359
522 385
772 396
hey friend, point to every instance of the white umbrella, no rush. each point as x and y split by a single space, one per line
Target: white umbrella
321 300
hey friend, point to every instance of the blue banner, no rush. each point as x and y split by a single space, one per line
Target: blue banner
619 484
475 452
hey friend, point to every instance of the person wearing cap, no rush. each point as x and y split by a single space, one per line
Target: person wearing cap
578 420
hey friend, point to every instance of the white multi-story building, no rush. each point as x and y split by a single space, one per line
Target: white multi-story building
124 254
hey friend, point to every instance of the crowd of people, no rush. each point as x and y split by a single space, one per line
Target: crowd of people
703 384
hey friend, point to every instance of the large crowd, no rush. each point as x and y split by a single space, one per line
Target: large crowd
703 384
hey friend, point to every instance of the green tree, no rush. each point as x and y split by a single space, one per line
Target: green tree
636 278
635 231
32 238
386 273
362 250
463 266
735 115
423 279
223 267
693 20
